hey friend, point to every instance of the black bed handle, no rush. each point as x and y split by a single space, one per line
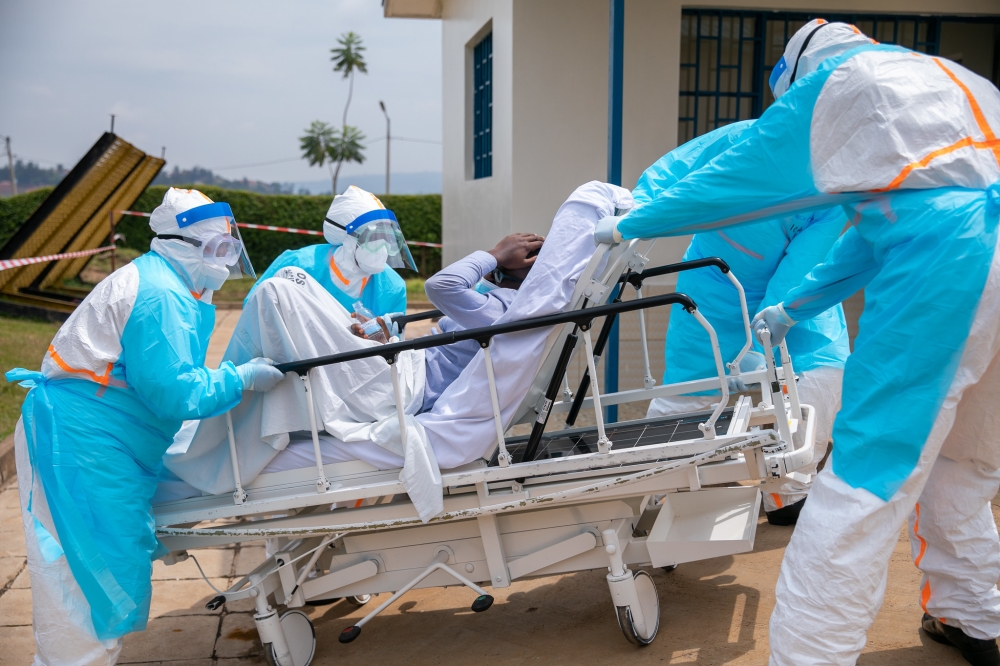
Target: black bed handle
485 334
636 279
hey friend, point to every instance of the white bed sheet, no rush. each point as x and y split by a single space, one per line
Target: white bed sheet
460 427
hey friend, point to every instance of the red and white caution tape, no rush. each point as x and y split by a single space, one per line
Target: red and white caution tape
287 230
16 263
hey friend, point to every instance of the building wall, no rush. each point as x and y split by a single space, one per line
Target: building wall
475 211
550 100
560 104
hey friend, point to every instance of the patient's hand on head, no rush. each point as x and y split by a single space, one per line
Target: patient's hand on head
515 255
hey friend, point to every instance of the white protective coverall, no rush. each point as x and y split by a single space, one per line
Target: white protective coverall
906 142
119 378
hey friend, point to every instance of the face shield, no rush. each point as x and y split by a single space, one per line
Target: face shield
378 232
225 249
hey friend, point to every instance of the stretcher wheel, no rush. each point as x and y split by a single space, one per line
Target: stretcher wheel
349 634
649 601
482 603
359 600
301 638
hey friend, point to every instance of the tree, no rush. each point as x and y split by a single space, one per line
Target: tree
347 58
346 147
322 144
316 144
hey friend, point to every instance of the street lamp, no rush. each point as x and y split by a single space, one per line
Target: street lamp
388 138
10 166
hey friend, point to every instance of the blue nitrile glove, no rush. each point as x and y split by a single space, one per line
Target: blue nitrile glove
607 231
774 319
259 374
751 362
390 324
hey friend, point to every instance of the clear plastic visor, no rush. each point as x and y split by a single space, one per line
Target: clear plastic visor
228 250
374 236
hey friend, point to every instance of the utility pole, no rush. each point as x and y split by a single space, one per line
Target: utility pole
388 139
10 165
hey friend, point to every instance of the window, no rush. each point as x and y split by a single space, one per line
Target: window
727 57
482 107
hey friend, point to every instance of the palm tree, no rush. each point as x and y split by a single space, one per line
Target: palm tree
347 58
316 145
346 147
322 144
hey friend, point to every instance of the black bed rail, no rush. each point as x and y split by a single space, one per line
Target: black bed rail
403 320
635 279
582 318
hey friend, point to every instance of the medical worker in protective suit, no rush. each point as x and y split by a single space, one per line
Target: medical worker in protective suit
768 258
363 245
907 144
121 375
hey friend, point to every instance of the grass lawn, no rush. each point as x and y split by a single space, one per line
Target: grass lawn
22 345
415 289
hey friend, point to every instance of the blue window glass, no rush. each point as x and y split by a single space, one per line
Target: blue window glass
727 57
482 107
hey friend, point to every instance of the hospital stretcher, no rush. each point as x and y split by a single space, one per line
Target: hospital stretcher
618 497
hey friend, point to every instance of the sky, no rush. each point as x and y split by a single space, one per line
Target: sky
220 83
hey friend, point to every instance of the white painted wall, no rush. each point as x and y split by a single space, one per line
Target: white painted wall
550 102
560 104
475 211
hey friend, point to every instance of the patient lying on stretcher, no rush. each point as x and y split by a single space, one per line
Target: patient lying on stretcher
472 293
445 390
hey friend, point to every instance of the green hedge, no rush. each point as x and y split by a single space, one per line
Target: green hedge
419 216
14 211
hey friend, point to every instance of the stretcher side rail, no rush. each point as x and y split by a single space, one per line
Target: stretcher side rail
209 508
634 278
582 318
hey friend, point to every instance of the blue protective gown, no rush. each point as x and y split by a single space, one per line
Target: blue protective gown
385 292
922 256
97 449
768 258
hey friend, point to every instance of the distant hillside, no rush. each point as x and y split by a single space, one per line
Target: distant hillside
416 182
200 176
30 176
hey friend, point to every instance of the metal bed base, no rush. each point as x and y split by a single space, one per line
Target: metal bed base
646 493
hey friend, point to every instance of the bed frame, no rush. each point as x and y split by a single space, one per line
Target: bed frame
617 497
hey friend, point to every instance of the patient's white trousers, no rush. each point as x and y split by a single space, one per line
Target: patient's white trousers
60 614
833 576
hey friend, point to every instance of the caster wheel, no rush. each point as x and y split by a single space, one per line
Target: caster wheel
301 638
482 603
669 569
349 634
359 600
649 602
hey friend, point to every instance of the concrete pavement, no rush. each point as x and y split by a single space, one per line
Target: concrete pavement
712 612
